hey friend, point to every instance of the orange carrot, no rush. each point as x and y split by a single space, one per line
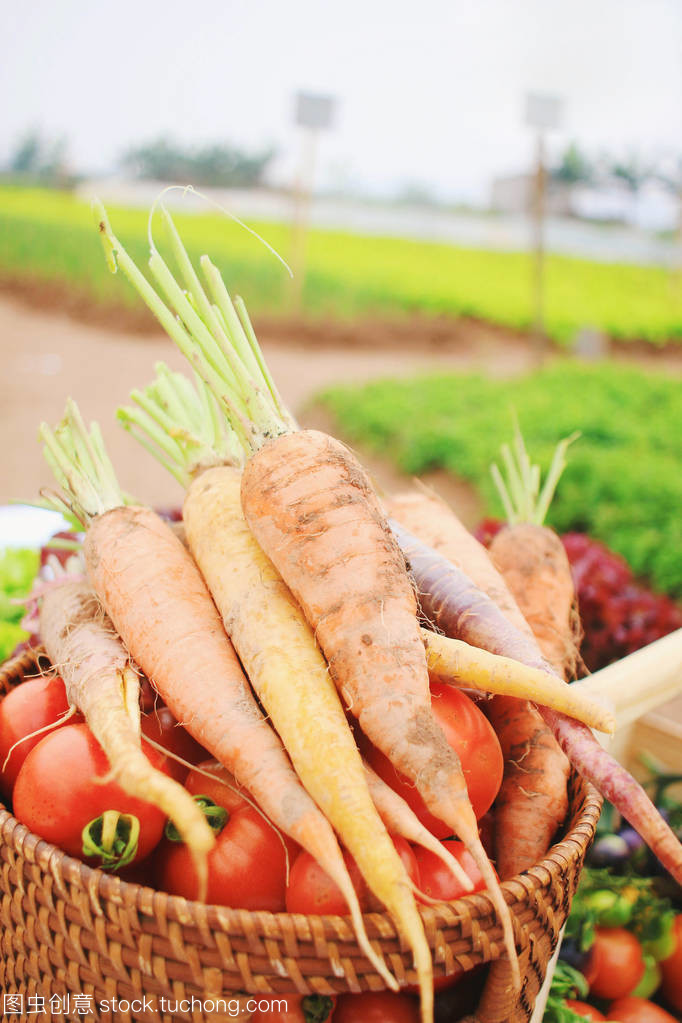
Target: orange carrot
532 558
533 562
100 682
534 565
312 509
533 798
158 602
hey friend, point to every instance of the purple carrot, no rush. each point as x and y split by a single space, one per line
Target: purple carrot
451 603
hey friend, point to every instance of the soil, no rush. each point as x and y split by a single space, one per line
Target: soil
415 332
53 347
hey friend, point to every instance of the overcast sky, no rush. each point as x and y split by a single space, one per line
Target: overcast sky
429 92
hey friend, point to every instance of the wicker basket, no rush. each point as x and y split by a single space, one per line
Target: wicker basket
70 930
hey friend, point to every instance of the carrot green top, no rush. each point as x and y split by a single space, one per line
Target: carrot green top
520 493
81 467
213 332
180 425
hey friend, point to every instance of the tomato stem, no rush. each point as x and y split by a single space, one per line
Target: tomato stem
113 837
316 1008
216 816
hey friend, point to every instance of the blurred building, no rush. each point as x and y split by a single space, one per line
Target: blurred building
652 206
514 193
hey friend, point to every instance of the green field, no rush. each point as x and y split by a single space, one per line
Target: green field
623 483
50 236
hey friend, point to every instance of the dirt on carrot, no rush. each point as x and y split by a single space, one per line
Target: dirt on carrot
533 562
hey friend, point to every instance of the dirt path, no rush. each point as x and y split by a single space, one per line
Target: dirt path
47 356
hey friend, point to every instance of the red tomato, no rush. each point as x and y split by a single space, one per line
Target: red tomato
160 726
223 789
25 709
299 1009
140 872
472 737
58 792
616 965
585 1010
246 868
440 883
637 1010
62 554
460 994
376 1007
450 980
311 890
671 968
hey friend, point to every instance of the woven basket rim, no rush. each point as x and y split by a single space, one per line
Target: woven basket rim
102 885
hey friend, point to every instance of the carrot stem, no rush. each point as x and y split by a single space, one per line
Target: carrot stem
195 437
520 492
233 327
81 465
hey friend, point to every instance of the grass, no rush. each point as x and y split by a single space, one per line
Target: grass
49 236
623 483
17 571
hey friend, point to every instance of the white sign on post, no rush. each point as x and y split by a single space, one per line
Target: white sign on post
314 110
543 111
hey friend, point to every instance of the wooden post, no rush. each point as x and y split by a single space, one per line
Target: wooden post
538 217
313 113
543 113
677 262
301 217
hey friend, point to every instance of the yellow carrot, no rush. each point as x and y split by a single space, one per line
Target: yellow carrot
453 660
278 650
290 676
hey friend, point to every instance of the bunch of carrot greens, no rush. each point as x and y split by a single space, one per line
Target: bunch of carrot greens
293 595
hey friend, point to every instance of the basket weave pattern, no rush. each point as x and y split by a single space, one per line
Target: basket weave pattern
67 928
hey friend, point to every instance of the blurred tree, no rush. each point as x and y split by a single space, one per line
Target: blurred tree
53 163
25 160
633 171
574 167
35 159
669 173
164 160
416 193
